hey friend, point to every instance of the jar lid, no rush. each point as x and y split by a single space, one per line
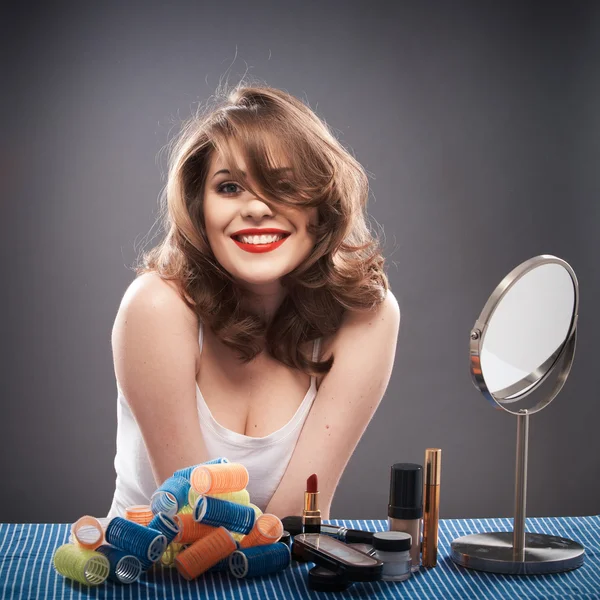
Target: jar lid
392 541
406 491
286 538
292 524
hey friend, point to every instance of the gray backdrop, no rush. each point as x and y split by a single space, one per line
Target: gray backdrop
479 125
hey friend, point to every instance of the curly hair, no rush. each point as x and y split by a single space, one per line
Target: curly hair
343 272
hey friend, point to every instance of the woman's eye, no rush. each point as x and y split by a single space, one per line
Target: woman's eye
285 186
223 188
229 188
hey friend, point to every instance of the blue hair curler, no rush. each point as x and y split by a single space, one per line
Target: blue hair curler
144 543
166 525
259 560
222 513
220 567
124 567
170 496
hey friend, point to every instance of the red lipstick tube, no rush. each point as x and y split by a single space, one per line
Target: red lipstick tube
311 515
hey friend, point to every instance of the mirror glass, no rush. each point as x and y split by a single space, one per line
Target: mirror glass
526 330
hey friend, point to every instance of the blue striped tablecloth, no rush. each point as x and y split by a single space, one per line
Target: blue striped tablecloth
26 570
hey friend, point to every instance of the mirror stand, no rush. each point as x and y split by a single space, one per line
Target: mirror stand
521 553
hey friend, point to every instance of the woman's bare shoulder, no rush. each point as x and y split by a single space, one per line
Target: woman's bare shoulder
152 286
387 310
152 300
150 289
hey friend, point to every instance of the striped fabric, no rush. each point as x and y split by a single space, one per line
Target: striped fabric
26 570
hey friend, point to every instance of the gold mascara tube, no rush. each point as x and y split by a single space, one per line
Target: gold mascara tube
431 512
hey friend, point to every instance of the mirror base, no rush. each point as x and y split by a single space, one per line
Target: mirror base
493 553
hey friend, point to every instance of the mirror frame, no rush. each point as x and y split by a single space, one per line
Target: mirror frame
537 377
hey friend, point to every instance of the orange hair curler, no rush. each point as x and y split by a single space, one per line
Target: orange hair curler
88 532
218 479
267 530
140 514
190 530
205 553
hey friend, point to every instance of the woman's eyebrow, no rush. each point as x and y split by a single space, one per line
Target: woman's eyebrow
278 170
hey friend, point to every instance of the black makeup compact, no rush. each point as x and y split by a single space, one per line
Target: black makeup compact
321 579
344 561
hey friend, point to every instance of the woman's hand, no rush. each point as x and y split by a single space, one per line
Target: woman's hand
364 349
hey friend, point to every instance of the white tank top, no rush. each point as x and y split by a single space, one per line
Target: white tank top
266 458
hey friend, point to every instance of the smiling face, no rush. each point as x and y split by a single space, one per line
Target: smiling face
257 263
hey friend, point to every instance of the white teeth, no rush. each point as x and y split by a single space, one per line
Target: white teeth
260 239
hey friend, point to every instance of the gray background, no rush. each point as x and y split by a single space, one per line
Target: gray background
479 125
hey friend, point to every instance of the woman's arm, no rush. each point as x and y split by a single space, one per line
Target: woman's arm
364 348
154 346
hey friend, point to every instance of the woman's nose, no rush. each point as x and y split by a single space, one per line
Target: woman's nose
255 207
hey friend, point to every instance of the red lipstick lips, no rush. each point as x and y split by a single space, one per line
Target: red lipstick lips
259 248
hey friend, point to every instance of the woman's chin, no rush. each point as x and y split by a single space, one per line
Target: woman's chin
260 280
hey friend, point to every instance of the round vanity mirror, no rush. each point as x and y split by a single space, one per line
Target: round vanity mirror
527 326
521 351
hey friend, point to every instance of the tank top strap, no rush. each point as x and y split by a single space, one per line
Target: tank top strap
316 349
315 356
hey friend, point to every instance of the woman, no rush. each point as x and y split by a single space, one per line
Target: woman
262 328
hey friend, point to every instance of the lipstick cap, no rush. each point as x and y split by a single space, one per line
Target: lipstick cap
406 491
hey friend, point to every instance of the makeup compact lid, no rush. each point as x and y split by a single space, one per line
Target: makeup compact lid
392 541
406 491
321 579
334 555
